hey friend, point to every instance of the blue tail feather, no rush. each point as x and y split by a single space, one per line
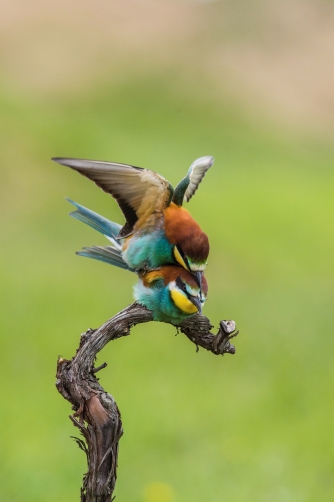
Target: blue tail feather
106 254
99 223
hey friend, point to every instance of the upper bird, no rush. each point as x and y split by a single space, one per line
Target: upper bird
158 230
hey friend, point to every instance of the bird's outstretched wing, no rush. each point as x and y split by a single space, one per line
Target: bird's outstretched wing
139 192
188 185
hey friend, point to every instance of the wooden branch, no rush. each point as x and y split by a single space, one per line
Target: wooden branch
96 413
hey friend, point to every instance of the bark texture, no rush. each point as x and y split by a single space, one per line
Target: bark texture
96 413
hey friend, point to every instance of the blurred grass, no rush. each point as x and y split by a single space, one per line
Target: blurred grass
256 426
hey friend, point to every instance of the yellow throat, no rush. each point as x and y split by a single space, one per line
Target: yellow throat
182 302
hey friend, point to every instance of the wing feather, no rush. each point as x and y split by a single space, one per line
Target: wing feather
189 184
139 192
196 173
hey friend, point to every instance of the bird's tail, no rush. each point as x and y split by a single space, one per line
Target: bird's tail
107 254
99 223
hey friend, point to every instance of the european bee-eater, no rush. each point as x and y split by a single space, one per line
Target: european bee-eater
170 292
158 230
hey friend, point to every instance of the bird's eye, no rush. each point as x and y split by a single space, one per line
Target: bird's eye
184 288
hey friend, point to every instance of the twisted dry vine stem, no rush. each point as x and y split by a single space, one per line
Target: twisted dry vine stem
96 413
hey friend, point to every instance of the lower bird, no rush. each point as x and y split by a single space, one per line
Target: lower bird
170 292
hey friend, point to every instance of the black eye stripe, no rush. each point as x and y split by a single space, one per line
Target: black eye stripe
180 250
183 256
180 284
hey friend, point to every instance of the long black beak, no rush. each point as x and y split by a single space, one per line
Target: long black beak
198 276
197 302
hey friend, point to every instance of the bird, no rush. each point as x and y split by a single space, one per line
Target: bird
158 230
170 292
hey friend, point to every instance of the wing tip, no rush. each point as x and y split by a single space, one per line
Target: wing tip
70 162
205 161
59 160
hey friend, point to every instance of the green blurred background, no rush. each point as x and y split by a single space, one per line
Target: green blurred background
158 84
